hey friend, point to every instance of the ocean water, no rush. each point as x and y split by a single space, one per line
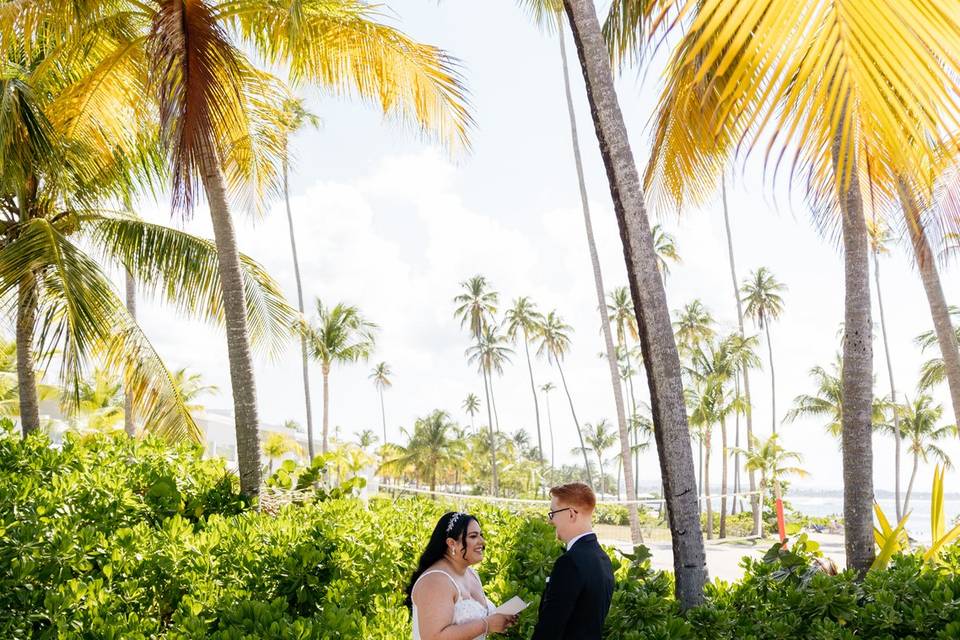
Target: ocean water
918 525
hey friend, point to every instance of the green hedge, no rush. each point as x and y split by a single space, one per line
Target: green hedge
109 538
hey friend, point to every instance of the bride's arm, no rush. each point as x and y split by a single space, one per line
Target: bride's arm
435 599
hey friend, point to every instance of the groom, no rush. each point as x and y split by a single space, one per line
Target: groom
578 593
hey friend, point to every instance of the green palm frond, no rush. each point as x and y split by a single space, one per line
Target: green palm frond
183 270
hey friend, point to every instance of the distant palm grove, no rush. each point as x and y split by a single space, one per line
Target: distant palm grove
106 106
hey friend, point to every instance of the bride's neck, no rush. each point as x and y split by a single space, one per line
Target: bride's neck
459 566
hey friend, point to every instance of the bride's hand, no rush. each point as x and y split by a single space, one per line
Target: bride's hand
498 622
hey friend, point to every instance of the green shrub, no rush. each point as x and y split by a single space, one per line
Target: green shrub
111 538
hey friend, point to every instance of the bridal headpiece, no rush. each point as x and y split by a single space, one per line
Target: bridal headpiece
453 521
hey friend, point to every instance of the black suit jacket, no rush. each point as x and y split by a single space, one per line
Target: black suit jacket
577 598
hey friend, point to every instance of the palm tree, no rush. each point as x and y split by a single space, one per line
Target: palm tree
190 62
930 277
693 327
840 126
754 499
933 372
554 344
546 389
490 353
620 309
773 462
292 118
476 308
523 320
381 380
827 402
665 246
599 438
653 315
431 450
879 237
471 404
548 14
761 291
130 289
918 423
339 335
101 401
276 445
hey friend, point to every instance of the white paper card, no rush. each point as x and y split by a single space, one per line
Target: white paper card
512 607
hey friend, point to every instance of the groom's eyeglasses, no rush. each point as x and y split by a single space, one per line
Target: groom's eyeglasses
550 514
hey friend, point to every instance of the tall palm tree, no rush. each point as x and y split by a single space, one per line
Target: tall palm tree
879 238
293 117
930 277
130 290
754 499
381 380
774 464
761 291
693 327
546 389
431 450
933 372
665 246
188 59
476 308
471 404
620 310
919 425
523 320
656 335
827 402
555 344
599 437
339 335
490 353
840 120
548 13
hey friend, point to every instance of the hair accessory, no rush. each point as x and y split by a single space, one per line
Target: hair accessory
453 521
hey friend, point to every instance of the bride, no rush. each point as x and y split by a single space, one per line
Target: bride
445 593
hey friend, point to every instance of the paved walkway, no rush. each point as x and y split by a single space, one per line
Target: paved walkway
723 557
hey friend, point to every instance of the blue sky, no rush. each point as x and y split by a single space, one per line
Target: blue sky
390 222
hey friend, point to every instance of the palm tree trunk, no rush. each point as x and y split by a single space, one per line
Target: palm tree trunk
706 483
754 499
913 475
550 426
857 374
304 361
657 343
130 289
723 479
603 480
26 361
773 377
325 444
946 335
383 416
238 342
635 534
893 389
619 475
533 390
493 440
583 447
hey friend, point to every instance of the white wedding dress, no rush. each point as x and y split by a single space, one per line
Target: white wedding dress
465 609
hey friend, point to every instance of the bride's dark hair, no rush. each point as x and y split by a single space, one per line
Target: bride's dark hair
437 547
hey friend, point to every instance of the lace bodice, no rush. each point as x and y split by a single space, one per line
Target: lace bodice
465 609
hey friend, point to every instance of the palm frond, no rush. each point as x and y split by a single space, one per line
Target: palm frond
183 270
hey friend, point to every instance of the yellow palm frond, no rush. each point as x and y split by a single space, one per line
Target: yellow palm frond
833 86
340 45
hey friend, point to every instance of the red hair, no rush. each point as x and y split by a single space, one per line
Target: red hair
576 494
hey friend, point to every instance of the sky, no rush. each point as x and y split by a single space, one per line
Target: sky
388 221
